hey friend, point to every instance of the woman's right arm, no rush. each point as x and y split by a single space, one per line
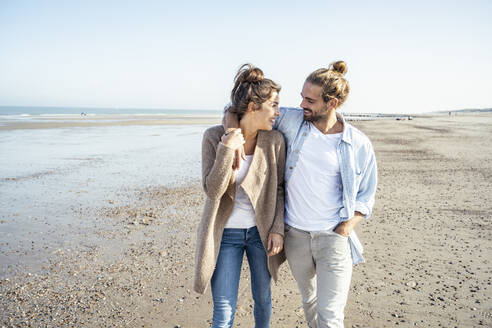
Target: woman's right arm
230 121
217 158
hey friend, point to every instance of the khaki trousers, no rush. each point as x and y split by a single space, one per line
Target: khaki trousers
321 263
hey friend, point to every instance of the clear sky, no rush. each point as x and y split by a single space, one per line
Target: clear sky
403 56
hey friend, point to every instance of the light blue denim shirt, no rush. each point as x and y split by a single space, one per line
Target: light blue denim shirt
357 166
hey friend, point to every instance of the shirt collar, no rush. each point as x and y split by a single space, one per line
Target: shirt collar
347 133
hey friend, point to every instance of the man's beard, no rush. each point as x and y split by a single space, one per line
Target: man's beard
315 117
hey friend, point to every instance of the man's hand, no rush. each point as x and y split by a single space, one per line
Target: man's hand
275 243
346 227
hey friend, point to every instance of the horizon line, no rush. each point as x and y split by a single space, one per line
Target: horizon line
486 109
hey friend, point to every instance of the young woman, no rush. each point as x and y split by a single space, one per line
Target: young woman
244 209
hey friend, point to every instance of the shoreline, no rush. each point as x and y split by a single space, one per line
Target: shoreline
427 246
55 122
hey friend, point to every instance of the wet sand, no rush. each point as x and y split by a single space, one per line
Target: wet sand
428 247
101 120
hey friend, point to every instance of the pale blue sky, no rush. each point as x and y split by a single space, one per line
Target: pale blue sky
411 56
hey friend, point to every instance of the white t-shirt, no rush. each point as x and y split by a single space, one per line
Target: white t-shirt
314 192
243 213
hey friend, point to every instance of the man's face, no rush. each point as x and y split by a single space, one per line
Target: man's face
314 107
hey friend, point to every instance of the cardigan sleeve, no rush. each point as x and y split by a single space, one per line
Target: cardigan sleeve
278 221
216 165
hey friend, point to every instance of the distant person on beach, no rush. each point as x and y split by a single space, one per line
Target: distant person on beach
244 208
330 180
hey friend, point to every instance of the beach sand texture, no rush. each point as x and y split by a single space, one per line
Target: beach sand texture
428 247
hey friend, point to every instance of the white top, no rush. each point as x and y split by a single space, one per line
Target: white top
243 213
314 192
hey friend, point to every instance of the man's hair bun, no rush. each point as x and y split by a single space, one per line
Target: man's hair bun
339 66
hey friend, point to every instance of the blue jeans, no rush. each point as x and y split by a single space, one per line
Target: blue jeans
225 280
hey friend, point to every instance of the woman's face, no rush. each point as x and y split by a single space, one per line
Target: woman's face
266 115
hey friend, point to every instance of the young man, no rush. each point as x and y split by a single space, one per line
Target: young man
330 184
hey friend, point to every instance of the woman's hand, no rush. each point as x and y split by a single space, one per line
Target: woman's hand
238 155
275 243
233 139
230 122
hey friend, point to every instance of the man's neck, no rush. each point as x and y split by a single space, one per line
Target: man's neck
329 124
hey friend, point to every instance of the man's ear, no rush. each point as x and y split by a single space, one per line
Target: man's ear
333 103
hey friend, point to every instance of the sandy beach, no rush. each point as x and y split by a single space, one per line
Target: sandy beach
109 240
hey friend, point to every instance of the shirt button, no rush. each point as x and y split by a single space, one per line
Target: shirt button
304 134
290 167
297 151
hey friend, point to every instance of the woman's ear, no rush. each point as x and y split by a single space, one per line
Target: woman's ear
251 107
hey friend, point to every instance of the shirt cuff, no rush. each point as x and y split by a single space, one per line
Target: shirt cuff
362 208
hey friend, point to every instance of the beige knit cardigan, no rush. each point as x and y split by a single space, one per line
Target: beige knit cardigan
263 184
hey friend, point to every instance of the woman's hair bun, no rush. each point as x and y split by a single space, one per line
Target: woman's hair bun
250 87
249 73
339 66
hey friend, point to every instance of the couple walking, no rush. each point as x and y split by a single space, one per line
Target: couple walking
306 178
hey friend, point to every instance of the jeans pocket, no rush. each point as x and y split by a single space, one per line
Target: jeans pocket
287 227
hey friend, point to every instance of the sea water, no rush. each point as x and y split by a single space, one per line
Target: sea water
48 175
10 114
